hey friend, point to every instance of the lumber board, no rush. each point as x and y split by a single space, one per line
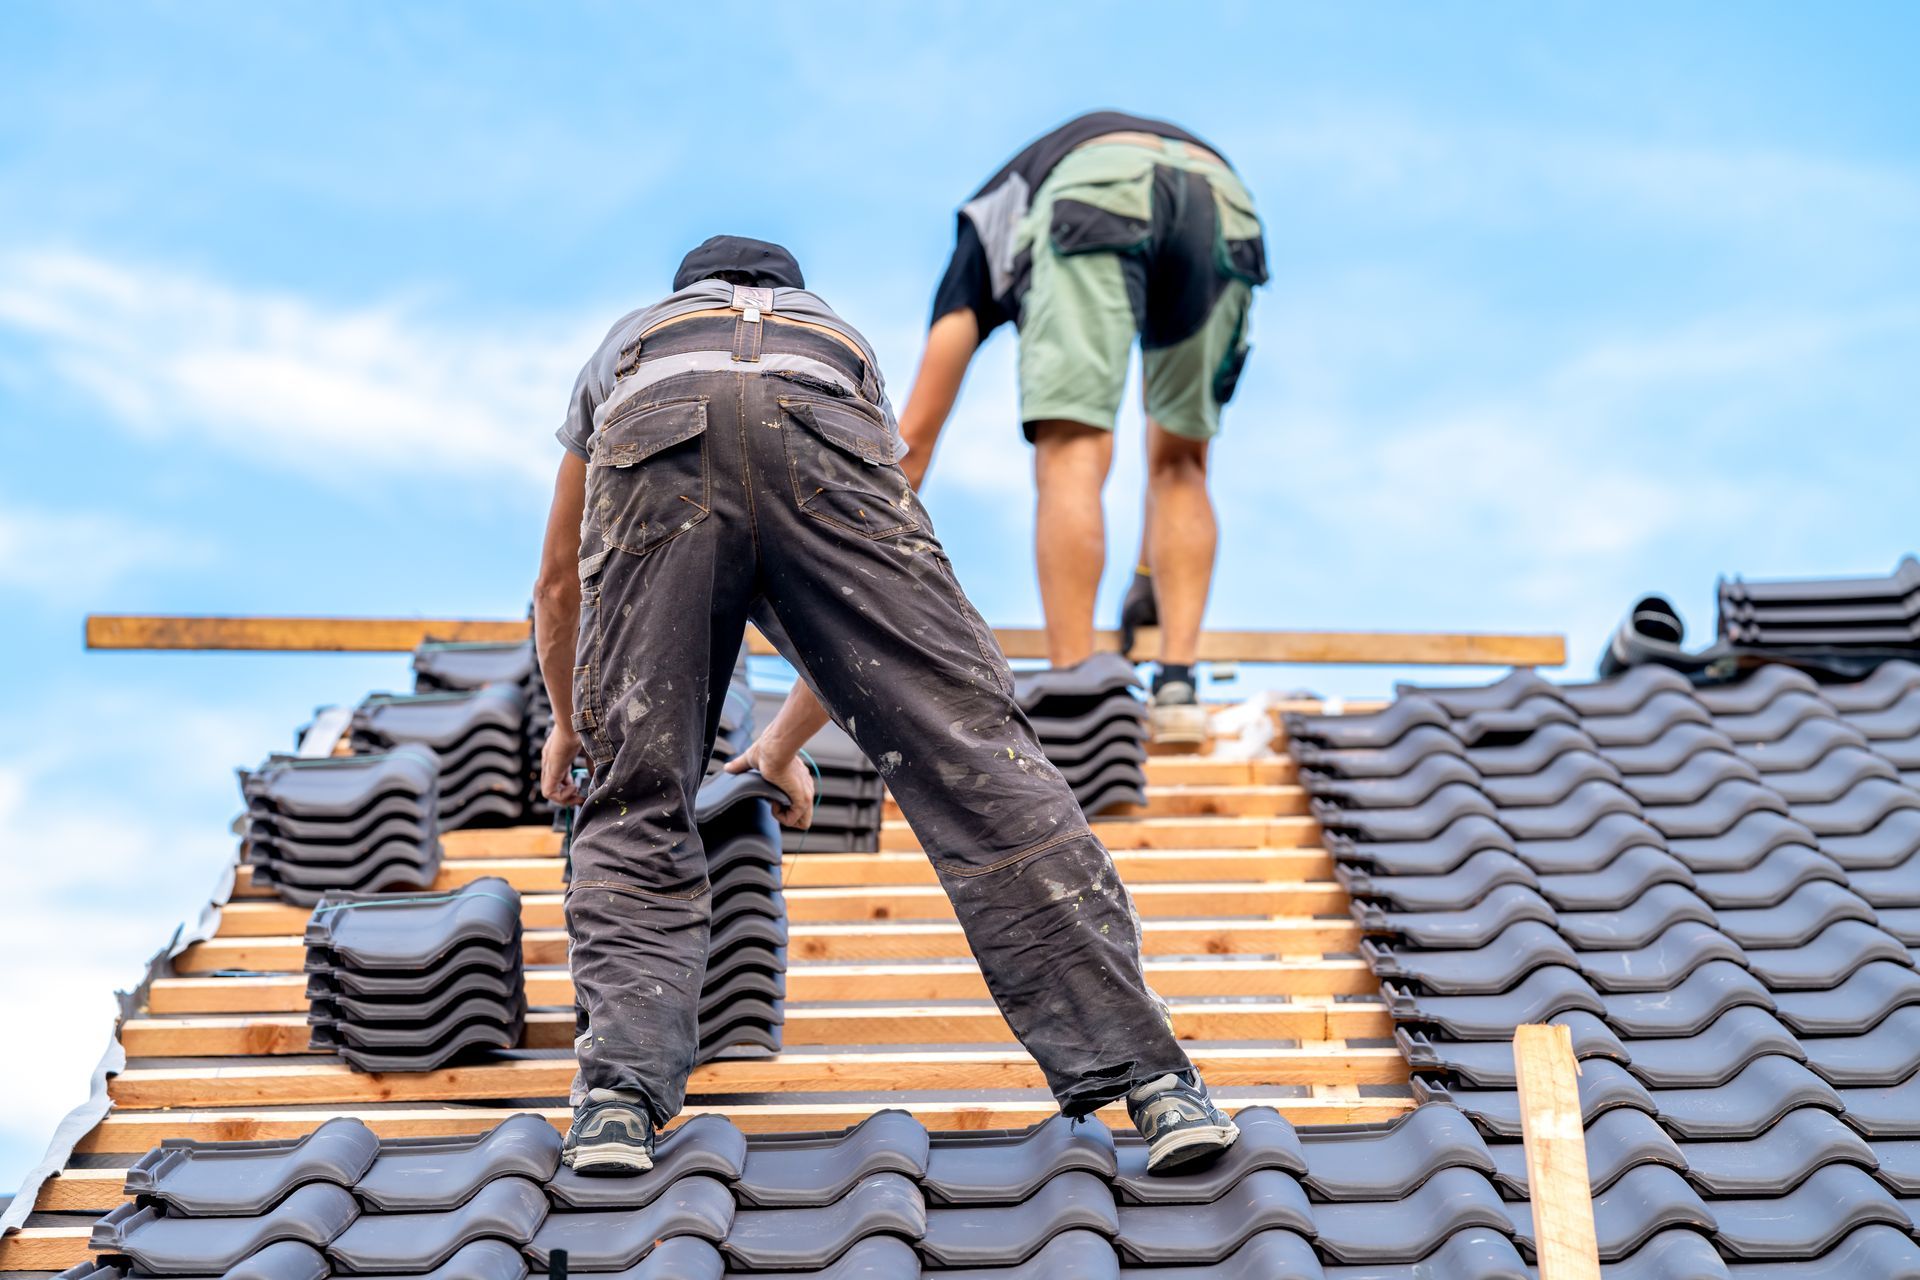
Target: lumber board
1166 833
1229 976
1556 1144
893 940
397 635
330 1083
1197 800
806 1024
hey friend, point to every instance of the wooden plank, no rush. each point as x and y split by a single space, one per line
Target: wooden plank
268 1034
332 1083
132 1132
1188 800
1167 833
1136 867
1231 976
396 635
528 875
44 1248
1557 1183
1208 771
861 942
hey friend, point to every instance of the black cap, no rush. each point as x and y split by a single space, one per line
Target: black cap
769 265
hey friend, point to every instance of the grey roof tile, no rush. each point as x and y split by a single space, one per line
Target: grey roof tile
705 1144
1796 920
1693 780
1267 1141
1380 729
1744 1106
1001 1236
1837 773
1835 952
1433 856
1616 885
1377 762
1474 927
1458 889
1656 911
162 1245
1890 1112
1743 845
1497 728
1617 1141
1889 682
1585 805
1517 951
1407 1230
1646 1201
1884 1055
231 1179
1263 1200
1899 1164
1388 1162
1403 791
1663 963
1541 995
1603 1085
1807 1221
613 1239
1878 1250
509 1209
1900 719
1689 1008
480 1260
374 934
1715 1055
817 1169
809 1239
1658 716
1461 700
1860 810
1552 784
1591 850
888 1258
328 979
1717 811
1902 922
1867 995
421 1174
341 786
1675 1254
1478 1252
1488 1064
1669 751
1768 882
1891 886
287 1260
1756 692
1071 1255
1624 693
1810 742
1778 1158
1888 844
1532 754
1775 720
1270 1255
1418 822
1005 1168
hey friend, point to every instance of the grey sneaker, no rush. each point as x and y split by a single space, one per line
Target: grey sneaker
610 1136
1182 1127
1176 716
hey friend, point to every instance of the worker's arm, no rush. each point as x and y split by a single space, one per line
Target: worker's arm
556 626
951 343
776 754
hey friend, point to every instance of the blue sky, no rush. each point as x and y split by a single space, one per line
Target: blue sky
1569 303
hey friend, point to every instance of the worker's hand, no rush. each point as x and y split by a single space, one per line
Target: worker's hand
787 771
556 766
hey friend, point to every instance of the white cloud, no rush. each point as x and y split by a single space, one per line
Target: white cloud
67 556
330 392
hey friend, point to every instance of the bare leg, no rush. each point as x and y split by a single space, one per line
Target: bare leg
1181 537
1070 464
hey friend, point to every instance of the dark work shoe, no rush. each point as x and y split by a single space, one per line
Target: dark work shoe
609 1137
1138 609
1182 1127
1176 716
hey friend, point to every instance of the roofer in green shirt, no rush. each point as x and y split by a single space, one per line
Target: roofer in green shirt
1109 227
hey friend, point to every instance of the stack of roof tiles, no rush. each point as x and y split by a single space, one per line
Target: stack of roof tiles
1845 613
885 1200
1715 889
742 1000
735 731
847 791
360 823
1092 727
458 667
401 982
480 736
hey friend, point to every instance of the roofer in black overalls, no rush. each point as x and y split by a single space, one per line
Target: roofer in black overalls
731 455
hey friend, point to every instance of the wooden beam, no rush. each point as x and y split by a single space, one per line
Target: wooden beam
1203 801
333 1083
861 942
1557 1182
822 983
1166 833
399 635
251 1035
132 1132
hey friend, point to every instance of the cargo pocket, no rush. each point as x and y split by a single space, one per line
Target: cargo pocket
1241 250
841 459
647 482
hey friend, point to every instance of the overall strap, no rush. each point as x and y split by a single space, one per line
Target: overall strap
747 330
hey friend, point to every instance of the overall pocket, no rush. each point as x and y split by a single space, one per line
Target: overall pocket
841 459
1241 250
648 482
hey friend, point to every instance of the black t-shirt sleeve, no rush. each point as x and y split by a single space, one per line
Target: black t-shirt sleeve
968 283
